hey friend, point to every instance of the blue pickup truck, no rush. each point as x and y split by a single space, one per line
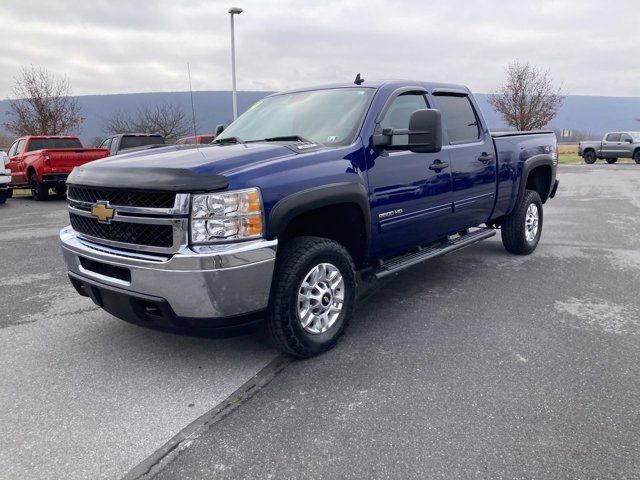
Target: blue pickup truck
304 195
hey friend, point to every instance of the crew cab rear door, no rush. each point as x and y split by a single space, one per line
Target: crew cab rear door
612 145
410 198
472 158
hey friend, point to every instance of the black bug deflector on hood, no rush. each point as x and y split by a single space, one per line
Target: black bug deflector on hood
164 179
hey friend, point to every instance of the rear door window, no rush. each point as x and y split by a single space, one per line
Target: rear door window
460 119
613 137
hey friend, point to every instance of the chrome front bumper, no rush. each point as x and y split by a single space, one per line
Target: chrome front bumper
218 282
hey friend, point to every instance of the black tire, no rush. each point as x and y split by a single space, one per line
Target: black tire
514 226
611 161
4 194
636 157
589 157
38 191
296 259
60 190
9 192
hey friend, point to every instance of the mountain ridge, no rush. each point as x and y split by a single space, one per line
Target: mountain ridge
585 113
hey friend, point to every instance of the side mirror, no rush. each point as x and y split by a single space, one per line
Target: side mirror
219 129
425 133
628 140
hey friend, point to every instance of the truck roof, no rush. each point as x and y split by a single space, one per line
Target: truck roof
50 136
135 135
377 84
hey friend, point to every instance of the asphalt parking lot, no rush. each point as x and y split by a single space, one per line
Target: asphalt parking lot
475 365
84 395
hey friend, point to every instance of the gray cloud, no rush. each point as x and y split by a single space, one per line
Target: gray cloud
133 46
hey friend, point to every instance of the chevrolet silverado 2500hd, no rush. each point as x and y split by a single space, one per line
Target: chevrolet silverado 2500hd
614 145
304 193
44 162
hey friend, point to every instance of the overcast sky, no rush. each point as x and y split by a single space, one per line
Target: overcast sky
115 46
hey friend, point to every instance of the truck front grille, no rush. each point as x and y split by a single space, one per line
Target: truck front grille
122 198
124 232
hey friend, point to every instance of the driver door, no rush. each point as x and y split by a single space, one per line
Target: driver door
410 199
15 162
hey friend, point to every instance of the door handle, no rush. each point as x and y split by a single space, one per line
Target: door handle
437 165
485 157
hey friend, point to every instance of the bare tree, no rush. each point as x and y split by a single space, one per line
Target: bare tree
42 105
5 142
528 100
167 119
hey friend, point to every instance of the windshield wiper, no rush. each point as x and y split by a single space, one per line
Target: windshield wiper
228 140
287 138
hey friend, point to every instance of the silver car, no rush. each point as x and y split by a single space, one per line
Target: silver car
614 145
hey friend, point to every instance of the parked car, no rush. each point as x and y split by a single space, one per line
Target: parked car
198 139
614 145
5 176
129 142
44 162
278 217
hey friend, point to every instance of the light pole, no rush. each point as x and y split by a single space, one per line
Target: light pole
234 11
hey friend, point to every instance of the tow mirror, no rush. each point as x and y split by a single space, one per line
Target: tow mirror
219 129
425 133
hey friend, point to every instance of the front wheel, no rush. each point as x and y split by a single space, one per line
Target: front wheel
312 296
39 191
611 160
522 228
589 157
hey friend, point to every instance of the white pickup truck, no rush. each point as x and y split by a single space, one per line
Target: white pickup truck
5 177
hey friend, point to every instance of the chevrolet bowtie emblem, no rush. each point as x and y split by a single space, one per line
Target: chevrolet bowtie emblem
102 212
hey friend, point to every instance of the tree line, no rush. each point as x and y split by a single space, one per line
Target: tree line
42 104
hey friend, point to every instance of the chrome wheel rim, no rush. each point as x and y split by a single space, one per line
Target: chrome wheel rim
320 298
532 220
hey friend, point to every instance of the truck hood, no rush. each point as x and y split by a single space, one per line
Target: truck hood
179 168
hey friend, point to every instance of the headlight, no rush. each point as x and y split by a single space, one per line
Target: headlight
219 217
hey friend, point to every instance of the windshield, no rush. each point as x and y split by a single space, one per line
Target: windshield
134 141
42 143
331 116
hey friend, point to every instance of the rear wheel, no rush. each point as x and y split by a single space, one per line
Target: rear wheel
312 296
39 191
636 157
589 157
611 160
522 228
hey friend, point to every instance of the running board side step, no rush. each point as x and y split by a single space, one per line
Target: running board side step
398 264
